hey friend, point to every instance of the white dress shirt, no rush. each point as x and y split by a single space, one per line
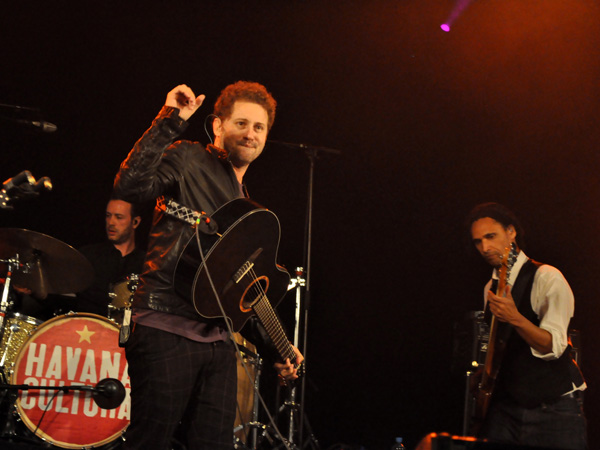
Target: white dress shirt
551 299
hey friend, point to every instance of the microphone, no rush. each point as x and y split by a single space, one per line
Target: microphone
41 125
109 393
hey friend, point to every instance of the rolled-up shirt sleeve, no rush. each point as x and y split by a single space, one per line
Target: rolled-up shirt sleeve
553 301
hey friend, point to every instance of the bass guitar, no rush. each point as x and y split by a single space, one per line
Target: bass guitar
496 345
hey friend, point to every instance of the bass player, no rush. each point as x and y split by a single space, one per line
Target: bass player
537 395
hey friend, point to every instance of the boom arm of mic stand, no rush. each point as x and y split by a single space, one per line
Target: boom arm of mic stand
26 387
108 393
306 147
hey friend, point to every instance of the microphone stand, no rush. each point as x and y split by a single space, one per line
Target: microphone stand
312 152
108 393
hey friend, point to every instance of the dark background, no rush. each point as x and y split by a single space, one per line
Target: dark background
503 108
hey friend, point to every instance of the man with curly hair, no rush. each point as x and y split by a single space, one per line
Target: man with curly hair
182 367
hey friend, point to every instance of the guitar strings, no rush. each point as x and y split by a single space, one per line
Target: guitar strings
263 303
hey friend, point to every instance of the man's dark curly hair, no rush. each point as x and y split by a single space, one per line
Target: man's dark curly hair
248 91
500 214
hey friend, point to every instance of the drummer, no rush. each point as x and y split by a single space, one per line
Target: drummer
114 259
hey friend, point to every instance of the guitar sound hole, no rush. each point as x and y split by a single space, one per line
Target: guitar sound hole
254 293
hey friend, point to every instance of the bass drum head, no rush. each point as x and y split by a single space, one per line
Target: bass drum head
71 350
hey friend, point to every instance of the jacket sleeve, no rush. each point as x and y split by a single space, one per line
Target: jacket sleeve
140 177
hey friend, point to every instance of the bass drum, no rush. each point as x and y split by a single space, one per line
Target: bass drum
71 350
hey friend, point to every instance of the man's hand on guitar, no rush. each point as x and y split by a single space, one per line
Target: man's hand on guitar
504 308
287 371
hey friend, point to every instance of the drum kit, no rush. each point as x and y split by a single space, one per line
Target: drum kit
78 349
64 381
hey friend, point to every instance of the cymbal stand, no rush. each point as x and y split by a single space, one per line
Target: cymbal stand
12 264
7 397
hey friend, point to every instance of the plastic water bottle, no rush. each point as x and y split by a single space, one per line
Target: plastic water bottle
398 445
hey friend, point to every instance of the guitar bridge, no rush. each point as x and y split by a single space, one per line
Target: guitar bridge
242 271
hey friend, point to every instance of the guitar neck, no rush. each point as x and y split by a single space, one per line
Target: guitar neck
265 313
495 348
490 367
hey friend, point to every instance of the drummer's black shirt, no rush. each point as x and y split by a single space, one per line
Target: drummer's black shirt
110 267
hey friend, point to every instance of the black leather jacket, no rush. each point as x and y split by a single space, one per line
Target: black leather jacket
201 179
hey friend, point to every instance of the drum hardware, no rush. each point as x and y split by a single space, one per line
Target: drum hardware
12 264
119 308
121 293
125 329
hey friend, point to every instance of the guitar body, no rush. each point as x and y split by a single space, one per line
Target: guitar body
241 260
487 383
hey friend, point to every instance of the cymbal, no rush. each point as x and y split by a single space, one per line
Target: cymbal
48 266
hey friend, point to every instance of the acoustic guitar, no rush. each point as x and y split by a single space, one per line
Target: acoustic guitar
240 247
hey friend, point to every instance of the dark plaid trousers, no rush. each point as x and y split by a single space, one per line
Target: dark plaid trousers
179 384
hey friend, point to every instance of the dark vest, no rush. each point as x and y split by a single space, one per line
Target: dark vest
528 380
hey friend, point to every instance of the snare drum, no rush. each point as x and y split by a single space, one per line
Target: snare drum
17 328
73 349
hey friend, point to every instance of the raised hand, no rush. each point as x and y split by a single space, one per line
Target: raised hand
183 97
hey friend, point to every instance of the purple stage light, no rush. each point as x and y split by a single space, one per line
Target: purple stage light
459 7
